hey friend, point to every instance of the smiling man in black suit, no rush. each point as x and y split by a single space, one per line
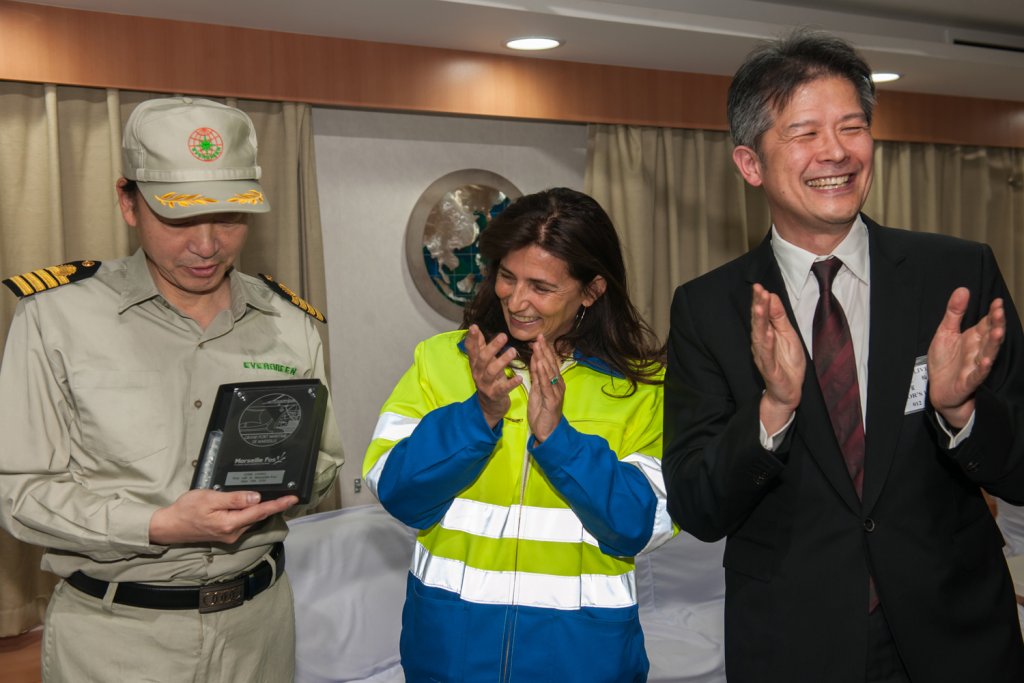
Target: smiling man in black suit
836 400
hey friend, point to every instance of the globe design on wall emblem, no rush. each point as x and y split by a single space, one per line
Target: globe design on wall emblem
450 239
443 233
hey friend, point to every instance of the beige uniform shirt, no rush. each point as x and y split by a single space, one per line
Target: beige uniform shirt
107 392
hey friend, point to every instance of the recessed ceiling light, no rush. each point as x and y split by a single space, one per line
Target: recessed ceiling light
533 43
883 77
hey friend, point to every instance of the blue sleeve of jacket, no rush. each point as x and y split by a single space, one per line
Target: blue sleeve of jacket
447 451
613 499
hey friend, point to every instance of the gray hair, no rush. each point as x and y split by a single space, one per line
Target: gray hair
773 71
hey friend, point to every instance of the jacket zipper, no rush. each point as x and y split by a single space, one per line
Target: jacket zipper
513 609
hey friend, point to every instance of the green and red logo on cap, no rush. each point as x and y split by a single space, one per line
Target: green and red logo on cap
205 144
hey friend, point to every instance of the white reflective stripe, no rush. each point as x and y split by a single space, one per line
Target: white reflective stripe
663 528
523 588
602 590
651 468
560 525
373 476
394 427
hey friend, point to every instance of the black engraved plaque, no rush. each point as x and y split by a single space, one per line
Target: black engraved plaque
263 436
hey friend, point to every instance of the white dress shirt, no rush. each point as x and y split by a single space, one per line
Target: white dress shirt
852 288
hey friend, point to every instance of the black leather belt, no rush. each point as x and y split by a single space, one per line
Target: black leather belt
212 597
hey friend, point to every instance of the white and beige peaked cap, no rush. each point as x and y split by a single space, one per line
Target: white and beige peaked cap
192 156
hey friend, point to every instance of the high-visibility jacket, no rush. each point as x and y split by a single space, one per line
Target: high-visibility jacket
523 566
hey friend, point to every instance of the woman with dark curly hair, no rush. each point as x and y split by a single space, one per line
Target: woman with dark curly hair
526 448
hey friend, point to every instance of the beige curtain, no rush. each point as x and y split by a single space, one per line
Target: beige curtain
678 202
681 207
59 159
972 192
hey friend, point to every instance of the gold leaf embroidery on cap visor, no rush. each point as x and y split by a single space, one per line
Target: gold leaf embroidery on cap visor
250 197
173 198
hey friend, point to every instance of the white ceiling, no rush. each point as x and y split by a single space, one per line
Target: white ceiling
918 38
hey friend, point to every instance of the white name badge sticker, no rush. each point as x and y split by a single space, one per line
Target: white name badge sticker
918 387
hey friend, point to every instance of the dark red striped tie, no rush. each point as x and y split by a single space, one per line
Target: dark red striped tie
836 367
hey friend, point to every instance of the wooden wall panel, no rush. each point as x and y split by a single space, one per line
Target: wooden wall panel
55 45
914 117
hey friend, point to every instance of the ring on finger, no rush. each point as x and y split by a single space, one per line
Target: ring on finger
554 380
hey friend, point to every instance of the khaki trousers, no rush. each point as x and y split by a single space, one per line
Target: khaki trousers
86 640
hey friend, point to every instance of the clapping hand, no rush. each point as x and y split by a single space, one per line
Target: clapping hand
958 362
544 409
779 357
488 363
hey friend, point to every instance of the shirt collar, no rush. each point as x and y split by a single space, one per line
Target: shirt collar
139 287
138 282
795 262
247 291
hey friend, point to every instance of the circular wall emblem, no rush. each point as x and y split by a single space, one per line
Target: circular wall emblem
269 420
205 144
442 234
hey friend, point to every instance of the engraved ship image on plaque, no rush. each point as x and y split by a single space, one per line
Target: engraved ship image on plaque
263 436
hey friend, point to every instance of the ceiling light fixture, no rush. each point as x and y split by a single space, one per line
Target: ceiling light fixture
883 77
533 43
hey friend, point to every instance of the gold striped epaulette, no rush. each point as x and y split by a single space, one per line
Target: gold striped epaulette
294 298
36 281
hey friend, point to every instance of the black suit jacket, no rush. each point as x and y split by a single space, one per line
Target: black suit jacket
800 544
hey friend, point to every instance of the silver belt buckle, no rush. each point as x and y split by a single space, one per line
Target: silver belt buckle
220 596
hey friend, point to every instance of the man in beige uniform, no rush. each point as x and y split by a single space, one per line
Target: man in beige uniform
108 382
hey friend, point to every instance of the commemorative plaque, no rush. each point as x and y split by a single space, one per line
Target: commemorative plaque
263 436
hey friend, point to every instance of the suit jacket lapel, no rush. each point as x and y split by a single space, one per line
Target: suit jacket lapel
895 293
812 425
